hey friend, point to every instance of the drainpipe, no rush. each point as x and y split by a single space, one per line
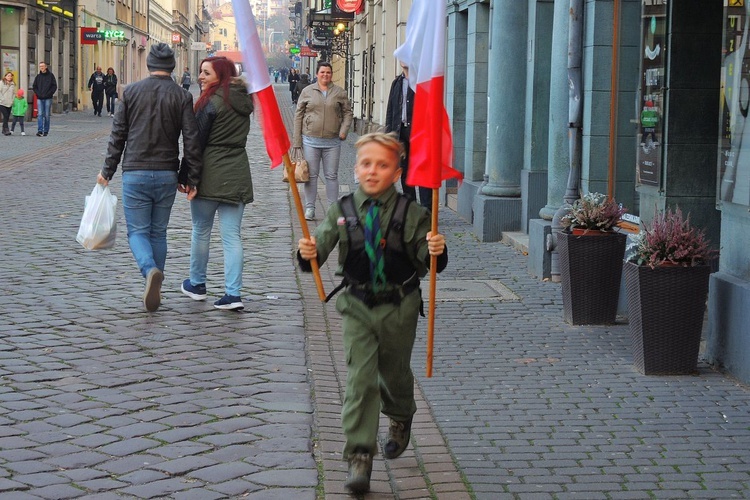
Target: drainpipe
613 99
575 105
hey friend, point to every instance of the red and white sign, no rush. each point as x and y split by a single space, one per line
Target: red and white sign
176 37
306 51
348 6
90 36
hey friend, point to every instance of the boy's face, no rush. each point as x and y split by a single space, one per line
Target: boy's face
377 169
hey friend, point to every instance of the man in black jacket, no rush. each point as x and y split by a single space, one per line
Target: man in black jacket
96 86
150 118
398 120
44 86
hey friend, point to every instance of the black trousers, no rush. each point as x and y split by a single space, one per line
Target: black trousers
98 100
5 110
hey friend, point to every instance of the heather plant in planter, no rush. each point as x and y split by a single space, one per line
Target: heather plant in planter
670 239
666 280
593 211
591 254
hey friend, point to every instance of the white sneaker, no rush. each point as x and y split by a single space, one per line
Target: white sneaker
23 133
310 214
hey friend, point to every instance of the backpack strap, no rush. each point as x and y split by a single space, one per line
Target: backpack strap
354 232
354 229
394 236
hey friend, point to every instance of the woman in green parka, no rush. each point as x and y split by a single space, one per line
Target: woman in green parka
223 112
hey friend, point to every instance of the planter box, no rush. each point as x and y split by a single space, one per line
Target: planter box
666 307
590 272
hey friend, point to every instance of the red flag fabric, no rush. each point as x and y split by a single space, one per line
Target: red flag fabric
423 51
259 83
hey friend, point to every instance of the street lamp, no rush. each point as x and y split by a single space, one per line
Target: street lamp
270 38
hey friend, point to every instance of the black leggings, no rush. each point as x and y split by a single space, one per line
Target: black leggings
5 110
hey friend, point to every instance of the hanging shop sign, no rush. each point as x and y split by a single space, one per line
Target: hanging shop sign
176 37
349 5
651 104
90 36
733 169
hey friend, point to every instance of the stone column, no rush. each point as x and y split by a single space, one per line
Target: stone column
497 207
558 158
476 16
506 102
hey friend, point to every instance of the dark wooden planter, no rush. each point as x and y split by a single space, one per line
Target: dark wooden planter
666 307
590 272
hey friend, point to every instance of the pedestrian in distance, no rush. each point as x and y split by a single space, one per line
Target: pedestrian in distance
20 106
96 86
149 120
186 79
44 86
110 90
223 112
381 302
304 81
293 79
7 94
398 120
321 121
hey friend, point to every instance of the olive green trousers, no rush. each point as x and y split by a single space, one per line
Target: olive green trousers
377 345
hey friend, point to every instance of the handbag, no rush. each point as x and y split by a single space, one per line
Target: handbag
98 228
301 172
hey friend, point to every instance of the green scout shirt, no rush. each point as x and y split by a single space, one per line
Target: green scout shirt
332 230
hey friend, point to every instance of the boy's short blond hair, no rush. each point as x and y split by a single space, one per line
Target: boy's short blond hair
388 141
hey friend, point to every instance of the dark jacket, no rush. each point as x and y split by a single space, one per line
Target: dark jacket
110 84
151 115
96 82
303 82
223 135
393 110
45 85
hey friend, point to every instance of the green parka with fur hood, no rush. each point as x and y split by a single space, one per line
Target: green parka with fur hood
223 133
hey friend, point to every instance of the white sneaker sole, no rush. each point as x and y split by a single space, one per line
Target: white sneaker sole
233 305
194 296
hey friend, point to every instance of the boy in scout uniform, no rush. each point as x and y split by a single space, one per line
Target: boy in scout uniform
385 246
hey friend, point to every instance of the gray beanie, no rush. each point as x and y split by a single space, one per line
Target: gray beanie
160 58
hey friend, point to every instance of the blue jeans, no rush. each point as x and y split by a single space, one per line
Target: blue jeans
230 220
329 157
44 107
147 199
111 103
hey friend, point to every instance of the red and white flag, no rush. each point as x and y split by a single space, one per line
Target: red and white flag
423 51
259 83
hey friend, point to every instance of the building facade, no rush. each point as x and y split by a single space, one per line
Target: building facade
32 32
639 99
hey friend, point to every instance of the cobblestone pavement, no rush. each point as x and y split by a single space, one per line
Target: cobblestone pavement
99 399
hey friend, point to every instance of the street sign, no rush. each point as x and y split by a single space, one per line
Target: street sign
294 50
198 46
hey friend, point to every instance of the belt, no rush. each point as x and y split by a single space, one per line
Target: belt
394 297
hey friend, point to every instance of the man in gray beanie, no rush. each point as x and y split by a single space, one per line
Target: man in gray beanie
152 114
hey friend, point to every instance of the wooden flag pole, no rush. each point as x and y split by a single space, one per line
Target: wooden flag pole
289 166
433 284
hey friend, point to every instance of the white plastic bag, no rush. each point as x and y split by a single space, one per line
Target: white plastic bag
98 225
